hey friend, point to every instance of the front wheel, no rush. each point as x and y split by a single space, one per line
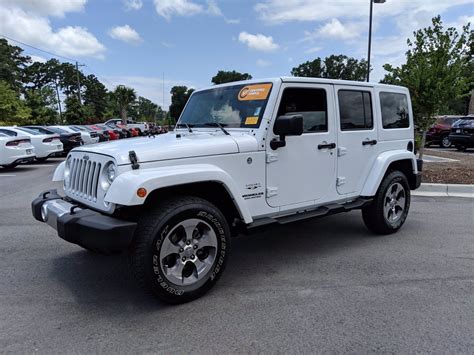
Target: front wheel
390 207
10 166
180 249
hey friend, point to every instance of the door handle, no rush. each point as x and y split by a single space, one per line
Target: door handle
372 142
327 146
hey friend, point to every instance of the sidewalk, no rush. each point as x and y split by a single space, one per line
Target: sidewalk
445 190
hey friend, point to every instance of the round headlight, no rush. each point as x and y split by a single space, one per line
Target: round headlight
111 172
67 172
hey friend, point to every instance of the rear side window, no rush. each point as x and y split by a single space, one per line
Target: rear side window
310 103
355 110
8 132
394 108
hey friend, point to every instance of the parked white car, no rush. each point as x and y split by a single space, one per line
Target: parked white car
244 155
46 145
87 137
15 150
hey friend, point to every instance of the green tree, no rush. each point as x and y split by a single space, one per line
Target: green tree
12 109
223 76
76 113
123 96
145 110
12 65
179 97
433 72
95 96
42 103
333 67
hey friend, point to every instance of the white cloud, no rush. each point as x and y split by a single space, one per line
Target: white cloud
169 8
37 58
126 34
258 42
46 7
232 21
149 87
132 4
213 8
313 50
167 44
36 30
263 63
335 29
281 11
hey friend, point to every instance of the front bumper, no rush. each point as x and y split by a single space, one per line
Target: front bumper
82 226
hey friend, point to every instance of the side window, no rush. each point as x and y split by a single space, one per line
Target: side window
355 110
310 103
394 110
8 132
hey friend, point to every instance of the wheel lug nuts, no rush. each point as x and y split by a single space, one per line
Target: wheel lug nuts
192 256
181 250
184 258
188 242
195 246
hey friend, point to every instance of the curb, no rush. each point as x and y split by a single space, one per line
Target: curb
445 190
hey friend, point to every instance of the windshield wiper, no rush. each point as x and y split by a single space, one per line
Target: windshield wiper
186 126
217 124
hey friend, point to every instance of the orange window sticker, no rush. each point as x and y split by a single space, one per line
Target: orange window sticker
251 120
254 92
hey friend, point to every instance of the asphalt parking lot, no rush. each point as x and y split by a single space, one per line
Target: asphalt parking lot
323 285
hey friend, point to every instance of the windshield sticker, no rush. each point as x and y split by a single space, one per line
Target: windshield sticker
251 120
254 92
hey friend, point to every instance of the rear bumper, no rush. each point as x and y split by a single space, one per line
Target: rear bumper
82 226
462 139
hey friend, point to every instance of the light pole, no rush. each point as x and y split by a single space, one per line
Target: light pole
370 33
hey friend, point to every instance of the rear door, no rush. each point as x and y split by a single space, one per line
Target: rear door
357 137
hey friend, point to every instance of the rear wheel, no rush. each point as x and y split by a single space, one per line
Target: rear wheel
445 141
180 249
389 209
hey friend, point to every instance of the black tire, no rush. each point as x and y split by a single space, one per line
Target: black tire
10 166
162 222
444 141
374 216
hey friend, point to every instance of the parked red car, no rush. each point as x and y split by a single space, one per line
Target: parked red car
439 132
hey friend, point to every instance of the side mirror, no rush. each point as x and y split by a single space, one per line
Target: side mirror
287 125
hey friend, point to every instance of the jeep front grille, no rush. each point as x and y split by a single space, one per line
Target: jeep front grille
84 180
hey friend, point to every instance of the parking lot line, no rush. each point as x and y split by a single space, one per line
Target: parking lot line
7 175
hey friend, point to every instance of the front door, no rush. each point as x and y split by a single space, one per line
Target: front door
357 137
303 172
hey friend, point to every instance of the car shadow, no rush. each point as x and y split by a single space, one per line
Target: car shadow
102 283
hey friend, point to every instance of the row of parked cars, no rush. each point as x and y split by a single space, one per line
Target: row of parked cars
28 143
448 131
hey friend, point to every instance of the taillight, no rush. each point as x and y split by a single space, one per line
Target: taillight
49 140
17 142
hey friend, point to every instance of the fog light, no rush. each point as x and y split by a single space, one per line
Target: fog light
141 192
44 212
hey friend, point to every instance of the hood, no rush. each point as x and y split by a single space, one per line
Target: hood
168 146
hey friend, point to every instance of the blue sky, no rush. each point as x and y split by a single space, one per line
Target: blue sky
133 42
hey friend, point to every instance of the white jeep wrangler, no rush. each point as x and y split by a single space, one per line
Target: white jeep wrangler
244 155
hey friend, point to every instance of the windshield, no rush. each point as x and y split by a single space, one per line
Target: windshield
464 122
238 106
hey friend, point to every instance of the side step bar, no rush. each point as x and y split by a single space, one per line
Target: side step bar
320 211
